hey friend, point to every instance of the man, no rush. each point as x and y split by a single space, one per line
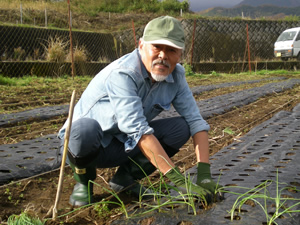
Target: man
113 120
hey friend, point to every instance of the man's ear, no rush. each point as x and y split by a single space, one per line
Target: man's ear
141 43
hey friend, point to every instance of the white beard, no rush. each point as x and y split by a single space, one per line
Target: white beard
158 78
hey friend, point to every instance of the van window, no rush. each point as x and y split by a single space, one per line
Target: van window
298 37
287 36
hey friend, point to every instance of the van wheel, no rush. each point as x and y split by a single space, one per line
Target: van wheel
284 59
298 57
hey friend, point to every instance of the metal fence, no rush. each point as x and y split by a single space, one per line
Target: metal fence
212 40
28 49
227 40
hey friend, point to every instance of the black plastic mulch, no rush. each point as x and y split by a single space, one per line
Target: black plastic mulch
200 89
28 158
43 113
223 103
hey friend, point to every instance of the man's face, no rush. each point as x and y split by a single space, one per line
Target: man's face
159 60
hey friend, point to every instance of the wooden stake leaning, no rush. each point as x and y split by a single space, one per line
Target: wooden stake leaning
64 157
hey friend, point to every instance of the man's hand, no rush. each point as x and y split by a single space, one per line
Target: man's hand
204 180
187 187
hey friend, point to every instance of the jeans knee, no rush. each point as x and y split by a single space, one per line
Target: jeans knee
173 132
85 137
84 127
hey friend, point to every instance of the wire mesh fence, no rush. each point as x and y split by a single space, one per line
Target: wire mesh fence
226 40
41 46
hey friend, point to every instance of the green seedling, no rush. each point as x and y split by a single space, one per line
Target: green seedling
7 192
101 209
228 130
261 193
163 192
120 203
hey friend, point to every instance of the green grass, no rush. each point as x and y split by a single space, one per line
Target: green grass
7 81
24 219
17 81
34 80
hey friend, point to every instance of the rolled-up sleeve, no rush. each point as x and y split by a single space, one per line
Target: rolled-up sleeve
128 107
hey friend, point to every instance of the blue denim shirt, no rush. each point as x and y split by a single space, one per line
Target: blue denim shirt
122 98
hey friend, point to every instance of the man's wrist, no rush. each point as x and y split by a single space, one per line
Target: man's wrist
168 171
203 170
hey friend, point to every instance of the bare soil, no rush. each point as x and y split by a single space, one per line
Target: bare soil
36 195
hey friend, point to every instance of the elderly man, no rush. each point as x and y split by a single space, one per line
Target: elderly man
113 120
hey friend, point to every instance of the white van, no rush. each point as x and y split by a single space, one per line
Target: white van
288 44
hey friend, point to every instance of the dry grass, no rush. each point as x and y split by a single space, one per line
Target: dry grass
80 54
39 5
56 49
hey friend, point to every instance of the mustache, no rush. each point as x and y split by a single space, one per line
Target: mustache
160 61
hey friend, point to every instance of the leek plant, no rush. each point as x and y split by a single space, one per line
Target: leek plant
261 193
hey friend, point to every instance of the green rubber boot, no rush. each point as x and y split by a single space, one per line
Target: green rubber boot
83 190
129 173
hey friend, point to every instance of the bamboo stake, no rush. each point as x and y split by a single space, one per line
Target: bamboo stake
63 161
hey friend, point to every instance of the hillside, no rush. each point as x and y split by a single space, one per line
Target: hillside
88 15
266 11
280 3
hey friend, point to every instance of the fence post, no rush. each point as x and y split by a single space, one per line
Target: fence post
21 13
46 19
71 18
249 61
134 34
192 50
71 42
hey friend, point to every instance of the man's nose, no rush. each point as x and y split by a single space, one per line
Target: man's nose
162 54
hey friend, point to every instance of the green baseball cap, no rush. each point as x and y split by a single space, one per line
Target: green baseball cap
164 30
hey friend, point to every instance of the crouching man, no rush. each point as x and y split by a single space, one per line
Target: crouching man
113 122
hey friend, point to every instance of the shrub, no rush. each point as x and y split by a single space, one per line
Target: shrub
79 54
188 69
19 54
55 51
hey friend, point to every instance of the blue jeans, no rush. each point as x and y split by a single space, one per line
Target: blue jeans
85 142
